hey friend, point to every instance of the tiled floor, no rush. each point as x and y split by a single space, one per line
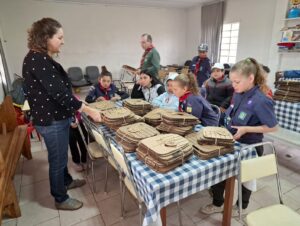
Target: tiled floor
101 209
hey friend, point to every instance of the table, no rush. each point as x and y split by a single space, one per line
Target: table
288 115
159 190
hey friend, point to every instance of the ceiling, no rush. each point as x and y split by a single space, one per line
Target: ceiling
141 3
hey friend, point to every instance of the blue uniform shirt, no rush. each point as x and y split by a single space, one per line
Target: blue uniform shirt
204 70
199 107
251 108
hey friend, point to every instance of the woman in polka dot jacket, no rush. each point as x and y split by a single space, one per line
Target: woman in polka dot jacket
52 104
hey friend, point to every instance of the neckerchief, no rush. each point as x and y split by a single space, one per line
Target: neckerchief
105 90
182 99
197 68
145 54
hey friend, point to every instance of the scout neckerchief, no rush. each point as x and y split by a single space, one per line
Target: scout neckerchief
145 54
198 65
182 100
105 90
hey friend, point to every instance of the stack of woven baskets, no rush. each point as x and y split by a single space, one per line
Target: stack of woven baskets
288 90
164 152
117 117
129 136
103 105
154 117
138 106
177 122
211 142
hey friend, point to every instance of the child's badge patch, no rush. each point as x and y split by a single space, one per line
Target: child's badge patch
242 115
189 109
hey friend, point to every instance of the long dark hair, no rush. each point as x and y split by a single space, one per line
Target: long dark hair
40 32
154 80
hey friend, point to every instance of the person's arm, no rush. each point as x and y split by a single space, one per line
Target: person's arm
229 92
137 92
173 104
264 110
51 80
192 65
158 101
122 94
241 130
155 62
161 90
91 97
197 107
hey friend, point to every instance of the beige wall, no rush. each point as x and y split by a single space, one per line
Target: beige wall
96 34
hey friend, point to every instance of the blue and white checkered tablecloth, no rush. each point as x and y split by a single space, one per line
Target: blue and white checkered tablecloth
159 190
288 115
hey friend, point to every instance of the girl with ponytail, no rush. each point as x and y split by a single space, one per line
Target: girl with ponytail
250 115
105 89
186 89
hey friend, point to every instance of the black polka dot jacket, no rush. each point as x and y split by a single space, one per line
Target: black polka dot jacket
48 89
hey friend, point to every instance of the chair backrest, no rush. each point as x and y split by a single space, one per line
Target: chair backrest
100 139
92 73
75 73
123 165
217 110
256 168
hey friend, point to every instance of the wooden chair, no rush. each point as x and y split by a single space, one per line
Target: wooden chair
8 116
11 144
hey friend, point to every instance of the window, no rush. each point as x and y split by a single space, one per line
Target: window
229 43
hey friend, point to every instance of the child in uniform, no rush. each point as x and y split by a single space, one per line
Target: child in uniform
250 115
104 89
190 101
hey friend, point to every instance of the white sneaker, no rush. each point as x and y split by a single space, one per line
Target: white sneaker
211 208
235 211
78 167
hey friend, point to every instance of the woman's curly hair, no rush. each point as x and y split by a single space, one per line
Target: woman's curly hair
40 32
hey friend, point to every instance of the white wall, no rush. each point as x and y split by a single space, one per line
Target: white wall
285 61
193 31
256 24
96 34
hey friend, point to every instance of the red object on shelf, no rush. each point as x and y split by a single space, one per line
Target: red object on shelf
287 44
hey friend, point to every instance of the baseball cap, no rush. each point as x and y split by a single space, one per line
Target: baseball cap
218 65
203 47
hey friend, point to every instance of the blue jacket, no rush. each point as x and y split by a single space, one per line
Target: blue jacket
252 108
199 107
96 91
167 101
204 70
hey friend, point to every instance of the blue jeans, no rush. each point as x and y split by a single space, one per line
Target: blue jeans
56 138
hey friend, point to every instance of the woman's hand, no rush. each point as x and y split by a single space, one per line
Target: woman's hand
93 113
241 130
74 125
